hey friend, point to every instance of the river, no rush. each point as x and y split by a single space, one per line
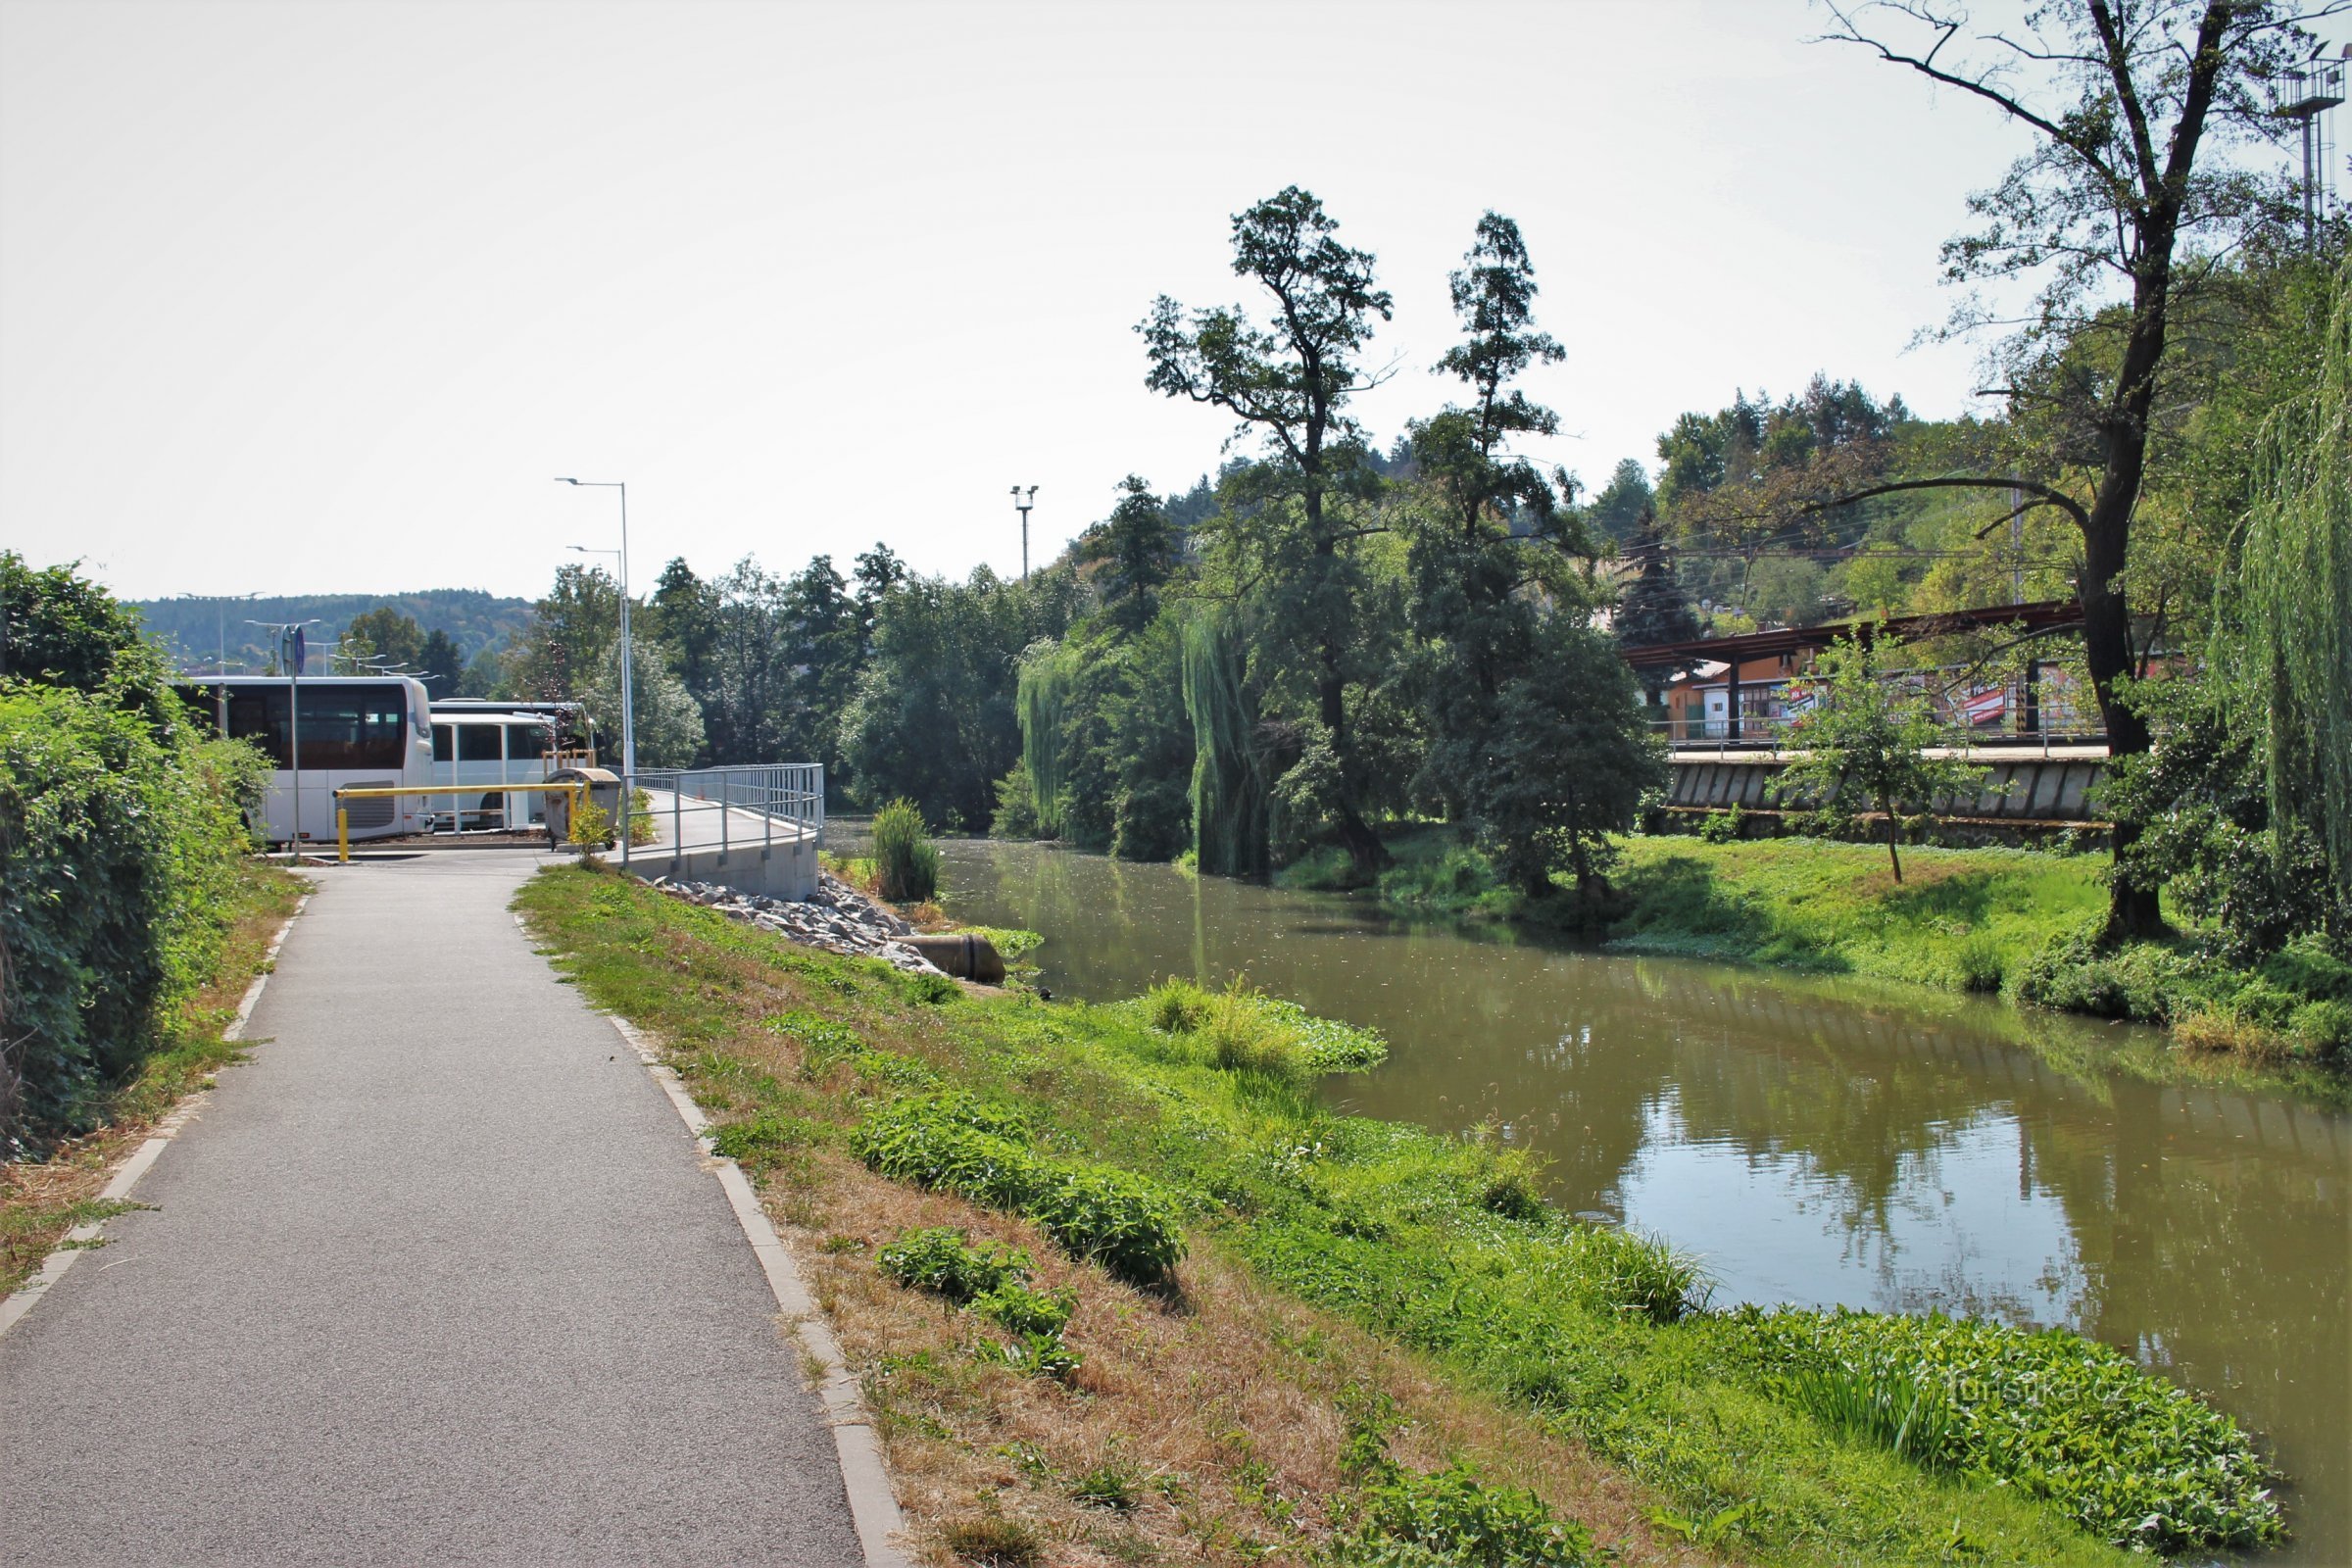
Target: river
1815 1141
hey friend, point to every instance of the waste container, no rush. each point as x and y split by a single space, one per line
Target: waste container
603 792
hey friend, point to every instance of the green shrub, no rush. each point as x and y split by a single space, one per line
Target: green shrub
2321 1028
959 1144
945 1263
1025 1310
1176 1007
1721 827
1641 1276
120 828
905 861
1978 958
2134 1460
2144 981
1451 1519
1042 1355
1245 1030
1240 1038
926 989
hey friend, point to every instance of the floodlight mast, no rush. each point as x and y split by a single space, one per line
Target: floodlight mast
1023 506
2304 95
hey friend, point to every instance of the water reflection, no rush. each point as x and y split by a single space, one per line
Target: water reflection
1818 1141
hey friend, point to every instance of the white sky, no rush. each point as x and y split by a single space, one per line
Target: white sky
318 297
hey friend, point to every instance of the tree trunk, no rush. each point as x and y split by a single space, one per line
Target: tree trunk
1893 858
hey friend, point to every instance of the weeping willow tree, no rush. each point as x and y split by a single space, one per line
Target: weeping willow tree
1042 701
2295 590
1229 790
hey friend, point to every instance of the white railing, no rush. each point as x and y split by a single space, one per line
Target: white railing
787 798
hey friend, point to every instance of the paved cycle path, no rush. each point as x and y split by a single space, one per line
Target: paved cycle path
436 1277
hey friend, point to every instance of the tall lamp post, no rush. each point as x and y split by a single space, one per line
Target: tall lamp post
1022 505
628 684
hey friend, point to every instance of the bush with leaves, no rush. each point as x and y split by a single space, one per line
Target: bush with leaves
963 1146
905 861
120 827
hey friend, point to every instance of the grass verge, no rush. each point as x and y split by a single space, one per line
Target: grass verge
1371 1329
41 1200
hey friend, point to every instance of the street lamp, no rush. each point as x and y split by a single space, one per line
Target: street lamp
628 692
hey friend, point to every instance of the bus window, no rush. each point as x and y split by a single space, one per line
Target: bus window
525 743
258 714
354 726
477 743
444 750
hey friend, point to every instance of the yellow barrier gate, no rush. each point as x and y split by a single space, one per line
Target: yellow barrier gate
576 788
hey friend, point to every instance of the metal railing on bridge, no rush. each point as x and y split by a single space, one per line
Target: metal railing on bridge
787 798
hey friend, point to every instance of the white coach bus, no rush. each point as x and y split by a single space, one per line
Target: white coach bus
478 741
370 731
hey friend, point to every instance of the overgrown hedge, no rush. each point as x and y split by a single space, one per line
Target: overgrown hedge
120 828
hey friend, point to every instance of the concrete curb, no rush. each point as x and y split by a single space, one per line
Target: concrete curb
873 1506
78 1240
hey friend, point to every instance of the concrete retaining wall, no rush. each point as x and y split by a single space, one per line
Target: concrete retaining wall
785 869
2025 789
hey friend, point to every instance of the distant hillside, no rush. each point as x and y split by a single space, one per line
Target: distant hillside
193 627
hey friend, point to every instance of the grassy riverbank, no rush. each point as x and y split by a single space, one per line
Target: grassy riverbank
41 1200
2015 922
1357 1307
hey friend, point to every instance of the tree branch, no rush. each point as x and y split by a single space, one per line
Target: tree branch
2049 496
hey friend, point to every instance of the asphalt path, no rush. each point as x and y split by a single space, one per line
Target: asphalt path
437 1277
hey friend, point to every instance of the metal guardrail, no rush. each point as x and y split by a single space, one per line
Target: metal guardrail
786 795
1762 733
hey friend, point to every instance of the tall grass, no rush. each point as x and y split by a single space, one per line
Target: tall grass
905 861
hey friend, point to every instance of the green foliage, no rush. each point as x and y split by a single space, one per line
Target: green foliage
2206 830
2297 999
2133 1458
943 1261
1242 1029
964 1147
1231 805
1016 806
1452 1517
905 861
931 714
2295 583
1721 827
1862 743
1026 1311
121 830
1176 1007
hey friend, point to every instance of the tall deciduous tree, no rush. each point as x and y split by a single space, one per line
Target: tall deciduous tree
1289 381
2120 195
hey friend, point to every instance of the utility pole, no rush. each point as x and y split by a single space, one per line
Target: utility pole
1023 506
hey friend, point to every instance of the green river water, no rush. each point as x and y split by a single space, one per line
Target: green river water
1814 1141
